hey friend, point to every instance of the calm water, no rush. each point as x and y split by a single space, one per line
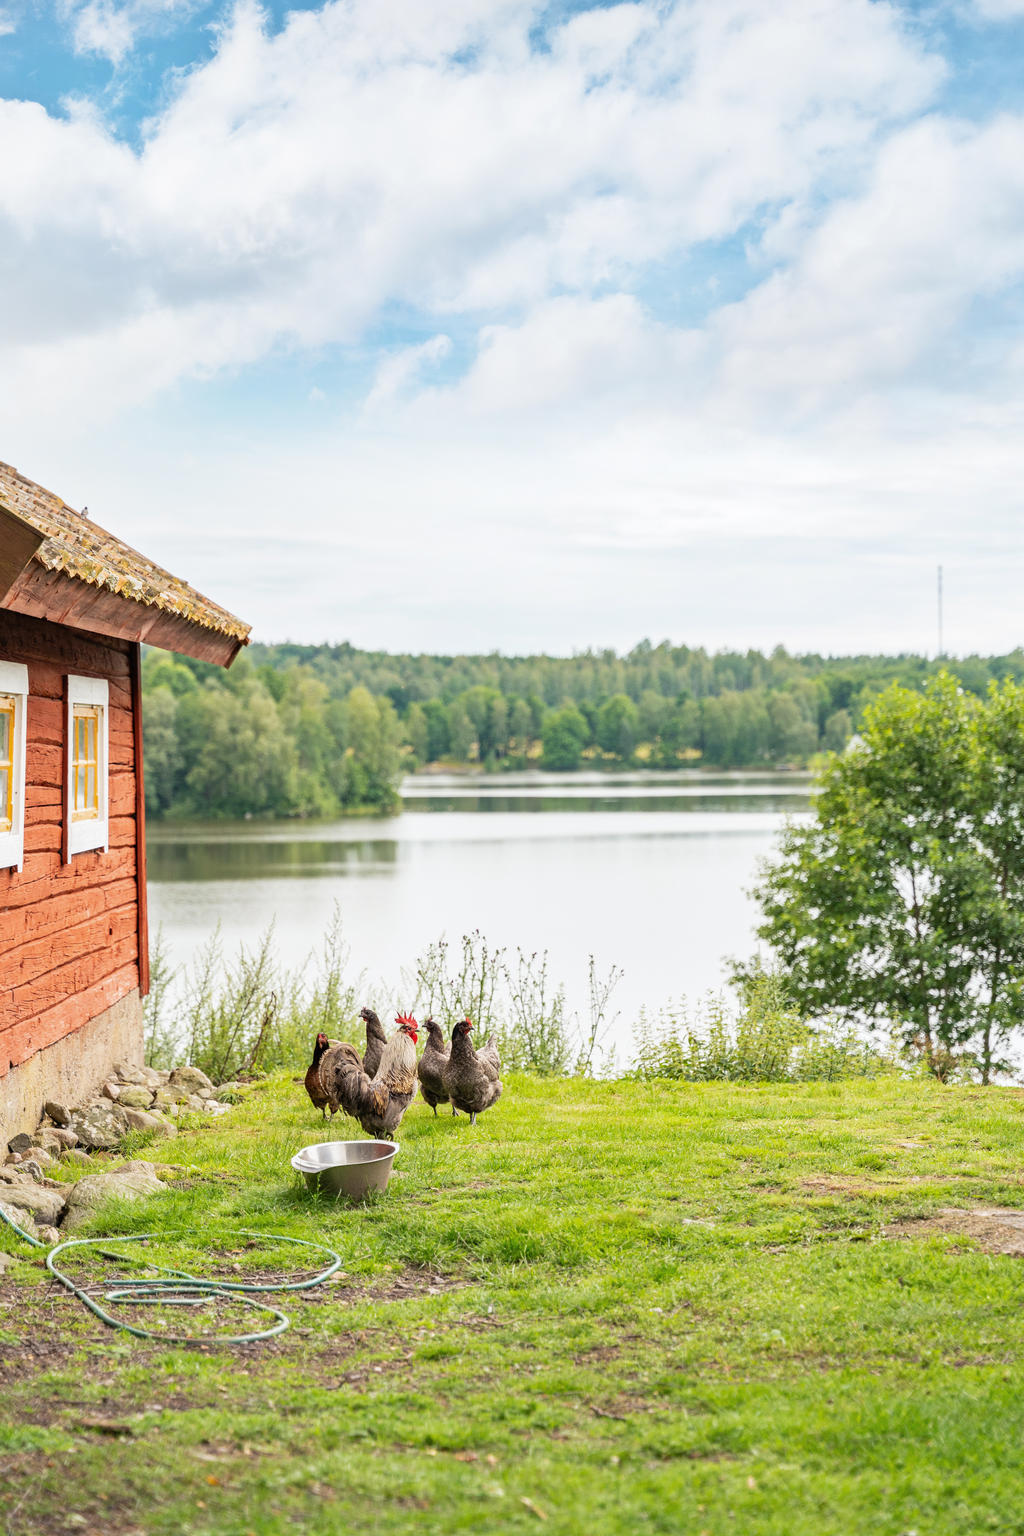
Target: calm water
646 872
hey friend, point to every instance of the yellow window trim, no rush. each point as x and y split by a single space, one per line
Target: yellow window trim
85 764
8 707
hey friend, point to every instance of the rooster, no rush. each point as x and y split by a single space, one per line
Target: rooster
471 1077
314 1087
431 1067
380 1101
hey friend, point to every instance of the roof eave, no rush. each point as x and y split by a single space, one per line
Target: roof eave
63 599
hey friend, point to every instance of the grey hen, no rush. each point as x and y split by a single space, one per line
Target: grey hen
472 1077
431 1067
376 1040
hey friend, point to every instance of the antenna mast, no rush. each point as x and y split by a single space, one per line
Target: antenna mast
941 653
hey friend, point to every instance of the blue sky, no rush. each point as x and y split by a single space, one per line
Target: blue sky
480 324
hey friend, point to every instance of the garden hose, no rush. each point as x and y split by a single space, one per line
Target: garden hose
178 1288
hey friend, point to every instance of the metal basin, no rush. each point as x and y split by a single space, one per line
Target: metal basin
349 1168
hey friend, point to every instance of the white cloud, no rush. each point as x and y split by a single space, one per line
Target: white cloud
111 28
362 157
7 24
601 452
999 10
400 370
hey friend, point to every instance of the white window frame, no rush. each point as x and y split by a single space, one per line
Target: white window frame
87 836
14 682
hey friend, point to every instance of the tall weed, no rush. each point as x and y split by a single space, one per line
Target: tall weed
236 1015
515 999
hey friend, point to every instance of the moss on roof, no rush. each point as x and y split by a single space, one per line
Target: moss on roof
74 544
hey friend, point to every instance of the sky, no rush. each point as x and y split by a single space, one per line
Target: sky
472 325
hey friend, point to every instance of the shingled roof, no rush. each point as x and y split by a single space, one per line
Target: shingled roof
148 602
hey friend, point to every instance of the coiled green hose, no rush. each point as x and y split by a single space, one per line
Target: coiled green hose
179 1288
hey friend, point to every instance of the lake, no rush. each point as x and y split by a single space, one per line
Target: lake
645 871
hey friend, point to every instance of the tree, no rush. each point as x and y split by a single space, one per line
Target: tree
373 761
902 902
564 736
438 738
460 732
163 755
416 732
838 730
617 726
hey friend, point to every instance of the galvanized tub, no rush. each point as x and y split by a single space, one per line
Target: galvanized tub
348 1168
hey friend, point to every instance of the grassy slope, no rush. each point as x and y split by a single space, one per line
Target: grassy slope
677 1313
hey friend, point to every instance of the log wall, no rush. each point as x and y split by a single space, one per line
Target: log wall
69 933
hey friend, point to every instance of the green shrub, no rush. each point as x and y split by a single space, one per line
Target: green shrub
764 1040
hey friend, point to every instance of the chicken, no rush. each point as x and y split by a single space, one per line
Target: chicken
345 1051
472 1077
314 1087
431 1067
376 1040
377 1102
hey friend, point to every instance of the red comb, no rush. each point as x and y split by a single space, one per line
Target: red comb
407 1018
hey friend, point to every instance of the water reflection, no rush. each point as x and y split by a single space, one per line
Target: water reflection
251 858
660 799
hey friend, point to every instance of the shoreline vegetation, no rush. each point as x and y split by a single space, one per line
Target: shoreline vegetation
302 731
244 1014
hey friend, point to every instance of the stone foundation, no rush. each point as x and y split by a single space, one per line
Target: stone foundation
73 1068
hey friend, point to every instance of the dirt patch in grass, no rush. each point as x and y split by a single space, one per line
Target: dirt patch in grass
995 1229
826 1184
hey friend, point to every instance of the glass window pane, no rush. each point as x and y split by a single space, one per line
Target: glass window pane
5 796
6 734
90 798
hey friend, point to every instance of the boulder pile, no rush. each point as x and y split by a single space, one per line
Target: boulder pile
133 1099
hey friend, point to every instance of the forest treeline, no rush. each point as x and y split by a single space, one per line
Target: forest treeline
315 730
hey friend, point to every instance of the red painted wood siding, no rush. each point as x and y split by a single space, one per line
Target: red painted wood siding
69 944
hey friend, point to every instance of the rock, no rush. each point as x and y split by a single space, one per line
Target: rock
47 1139
20 1143
37 1158
169 1095
142 1077
58 1113
233 1093
66 1137
7 1259
196 1103
78 1158
100 1125
48 1235
132 1181
44 1205
132 1097
189 1078
139 1120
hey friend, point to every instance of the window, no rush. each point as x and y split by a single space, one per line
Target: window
88 699
13 705
85 762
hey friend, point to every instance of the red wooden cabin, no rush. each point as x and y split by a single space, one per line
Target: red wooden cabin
76 604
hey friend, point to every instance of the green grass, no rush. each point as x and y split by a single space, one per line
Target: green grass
610 1307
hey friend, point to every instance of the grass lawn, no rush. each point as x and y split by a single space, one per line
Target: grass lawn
607 1308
